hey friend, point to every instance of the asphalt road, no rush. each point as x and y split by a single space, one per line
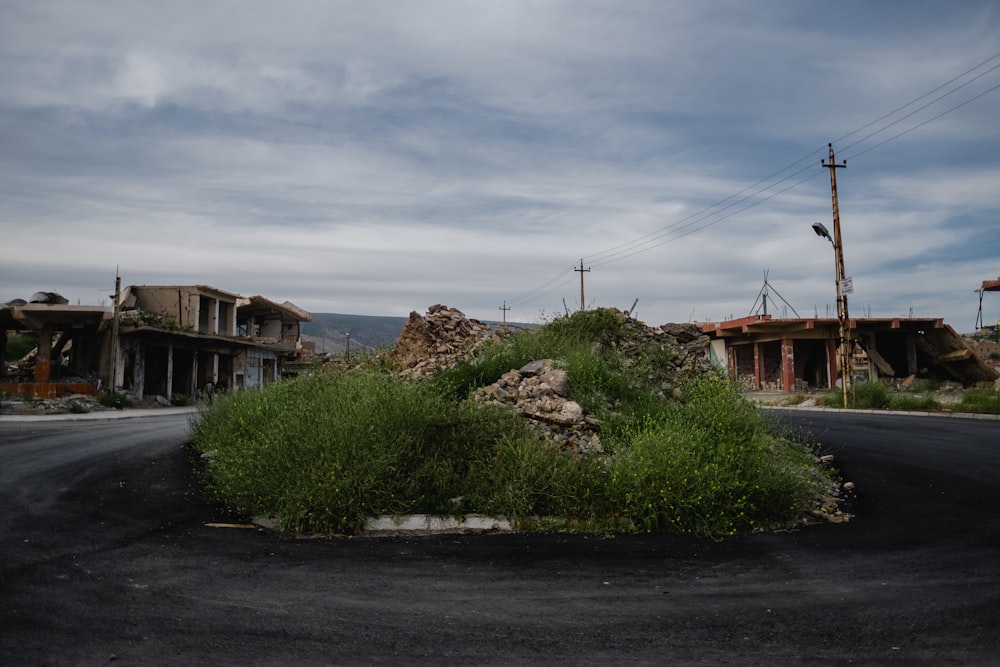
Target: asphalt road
106 558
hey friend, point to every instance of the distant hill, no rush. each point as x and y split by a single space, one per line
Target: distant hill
368 332
371 332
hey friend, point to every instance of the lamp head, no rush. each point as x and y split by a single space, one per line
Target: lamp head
821 230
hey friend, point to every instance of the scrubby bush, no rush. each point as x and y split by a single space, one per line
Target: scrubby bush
713 465
325 451
870 396
913 402
19 345
980 399
114 399
863 396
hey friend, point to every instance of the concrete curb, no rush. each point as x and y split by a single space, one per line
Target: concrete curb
905 413
103 415
428 523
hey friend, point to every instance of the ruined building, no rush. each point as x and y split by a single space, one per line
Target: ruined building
158 340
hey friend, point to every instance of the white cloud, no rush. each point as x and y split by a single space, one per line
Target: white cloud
377 158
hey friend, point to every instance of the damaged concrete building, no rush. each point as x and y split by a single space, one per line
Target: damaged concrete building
799 354
68 345
159 340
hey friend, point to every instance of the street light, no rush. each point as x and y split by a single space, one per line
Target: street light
842 315
821 230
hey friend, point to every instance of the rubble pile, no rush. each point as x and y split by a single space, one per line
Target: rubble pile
439 339
30 405
689 344
540 393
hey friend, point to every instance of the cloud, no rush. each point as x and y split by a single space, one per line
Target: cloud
378 158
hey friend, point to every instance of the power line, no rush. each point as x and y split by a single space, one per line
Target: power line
921 108
911 102
921 124
751 195
603 258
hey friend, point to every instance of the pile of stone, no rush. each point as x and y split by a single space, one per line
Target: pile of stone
439 339
540 393
690 345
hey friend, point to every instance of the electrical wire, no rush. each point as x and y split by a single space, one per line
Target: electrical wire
752 195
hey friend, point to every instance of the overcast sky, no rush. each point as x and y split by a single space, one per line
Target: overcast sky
378 157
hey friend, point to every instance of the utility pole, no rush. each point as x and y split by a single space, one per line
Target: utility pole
581 271
504 308
838 247
115 328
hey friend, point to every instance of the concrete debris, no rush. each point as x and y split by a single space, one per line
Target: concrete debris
437 340
540 393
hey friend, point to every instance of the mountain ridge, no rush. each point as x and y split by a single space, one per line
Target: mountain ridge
331 331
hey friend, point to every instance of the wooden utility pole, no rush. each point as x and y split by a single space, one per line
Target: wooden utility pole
581 271
115 328
846 376
504 308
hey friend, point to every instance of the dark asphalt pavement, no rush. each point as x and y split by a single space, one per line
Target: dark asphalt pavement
105 557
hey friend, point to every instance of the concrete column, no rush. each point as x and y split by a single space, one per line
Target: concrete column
758 372
831 358
170 369
43 358
787 364
3 348
911 356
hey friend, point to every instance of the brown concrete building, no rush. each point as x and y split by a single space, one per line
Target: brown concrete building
170 340
68 345
196 338
798 354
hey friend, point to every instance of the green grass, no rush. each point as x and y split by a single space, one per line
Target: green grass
114 399
979 399
18 345
905 401
325 451
865 396
877 396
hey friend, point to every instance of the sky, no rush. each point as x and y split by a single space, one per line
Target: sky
379 157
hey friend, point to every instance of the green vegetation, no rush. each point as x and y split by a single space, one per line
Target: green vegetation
114 399
325 451
878 396
18 345
980 399
907 401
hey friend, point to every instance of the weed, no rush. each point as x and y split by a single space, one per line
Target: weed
19 345
913 402
864 396
980 399
871 396
114 399
325 451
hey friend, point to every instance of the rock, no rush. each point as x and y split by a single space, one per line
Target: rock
540 391
162 400
536 367
439 339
